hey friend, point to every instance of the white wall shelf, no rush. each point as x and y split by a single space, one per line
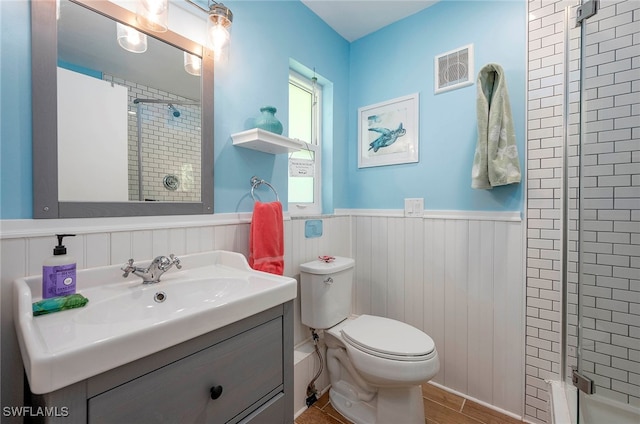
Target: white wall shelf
266 141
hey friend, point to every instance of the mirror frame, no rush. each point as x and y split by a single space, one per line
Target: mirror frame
44 62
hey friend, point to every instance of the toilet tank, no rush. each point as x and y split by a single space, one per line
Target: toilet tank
325 292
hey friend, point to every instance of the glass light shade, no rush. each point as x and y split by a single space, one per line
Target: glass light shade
153 14
219 29
130 39
192 64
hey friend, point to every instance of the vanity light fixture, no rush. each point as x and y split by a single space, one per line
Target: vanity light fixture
219 20
153 14
130 39
192 64
219 28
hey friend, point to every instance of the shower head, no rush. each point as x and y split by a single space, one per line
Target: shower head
174 111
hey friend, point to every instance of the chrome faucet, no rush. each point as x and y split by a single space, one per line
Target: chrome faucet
152 274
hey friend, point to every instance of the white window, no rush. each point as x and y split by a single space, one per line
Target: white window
305 106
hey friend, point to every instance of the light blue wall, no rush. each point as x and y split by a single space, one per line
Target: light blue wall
265 36
397 61
392 62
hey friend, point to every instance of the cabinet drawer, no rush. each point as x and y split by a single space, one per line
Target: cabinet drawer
247 367
272 412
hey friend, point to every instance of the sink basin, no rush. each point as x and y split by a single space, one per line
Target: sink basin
154 303
126 320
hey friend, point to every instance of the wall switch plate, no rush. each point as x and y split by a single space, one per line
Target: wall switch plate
414 207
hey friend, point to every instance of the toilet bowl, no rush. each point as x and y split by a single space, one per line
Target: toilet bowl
376 365
390 353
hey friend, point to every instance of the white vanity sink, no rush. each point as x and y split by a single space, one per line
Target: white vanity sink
126 320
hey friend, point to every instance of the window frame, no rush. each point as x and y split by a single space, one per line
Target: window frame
315 207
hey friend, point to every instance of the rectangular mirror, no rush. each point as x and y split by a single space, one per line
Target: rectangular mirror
131 132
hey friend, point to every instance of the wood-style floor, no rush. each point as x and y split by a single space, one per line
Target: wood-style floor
440 407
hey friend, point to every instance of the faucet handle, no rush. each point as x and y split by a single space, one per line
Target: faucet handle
175 261
128 267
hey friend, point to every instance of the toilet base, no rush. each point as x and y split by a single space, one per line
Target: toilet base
391 405
400 405
358 411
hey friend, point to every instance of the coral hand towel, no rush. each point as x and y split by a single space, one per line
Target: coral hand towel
266 238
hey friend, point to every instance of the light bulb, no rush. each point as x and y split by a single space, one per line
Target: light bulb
192 64
154 7
153 14
219 37
131 39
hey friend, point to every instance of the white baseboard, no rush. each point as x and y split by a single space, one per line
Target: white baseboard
485 404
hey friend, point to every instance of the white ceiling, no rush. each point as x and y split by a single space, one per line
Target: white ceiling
353 19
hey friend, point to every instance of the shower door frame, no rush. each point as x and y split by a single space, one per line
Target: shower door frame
580 373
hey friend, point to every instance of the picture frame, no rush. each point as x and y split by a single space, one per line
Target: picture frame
388 132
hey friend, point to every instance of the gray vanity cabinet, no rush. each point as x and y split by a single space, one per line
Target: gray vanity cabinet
240 373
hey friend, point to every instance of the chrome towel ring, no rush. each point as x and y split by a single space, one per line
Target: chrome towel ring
257 182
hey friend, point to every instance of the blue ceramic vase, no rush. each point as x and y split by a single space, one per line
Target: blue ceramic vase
268 121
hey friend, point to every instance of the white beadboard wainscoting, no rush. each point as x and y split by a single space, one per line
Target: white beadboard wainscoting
459 277
456 275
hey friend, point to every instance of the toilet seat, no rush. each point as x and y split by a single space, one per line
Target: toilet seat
388 338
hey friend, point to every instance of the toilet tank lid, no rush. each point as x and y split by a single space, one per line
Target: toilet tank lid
322 268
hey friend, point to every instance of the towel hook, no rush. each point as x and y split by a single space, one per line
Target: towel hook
256 182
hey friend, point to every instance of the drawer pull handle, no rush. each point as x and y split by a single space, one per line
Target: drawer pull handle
216 391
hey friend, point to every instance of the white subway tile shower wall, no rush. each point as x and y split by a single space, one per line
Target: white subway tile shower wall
544 173
610 200
170 145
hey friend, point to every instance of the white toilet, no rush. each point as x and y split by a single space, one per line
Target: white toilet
376 365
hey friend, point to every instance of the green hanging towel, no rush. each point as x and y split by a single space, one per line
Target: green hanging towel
496 160
60 303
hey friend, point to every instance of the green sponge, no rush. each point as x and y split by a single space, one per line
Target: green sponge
55 304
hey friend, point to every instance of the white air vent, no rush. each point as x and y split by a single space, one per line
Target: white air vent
454 69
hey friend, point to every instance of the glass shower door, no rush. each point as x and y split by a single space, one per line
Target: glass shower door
604 209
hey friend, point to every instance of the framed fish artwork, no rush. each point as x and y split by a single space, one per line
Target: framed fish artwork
388 132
